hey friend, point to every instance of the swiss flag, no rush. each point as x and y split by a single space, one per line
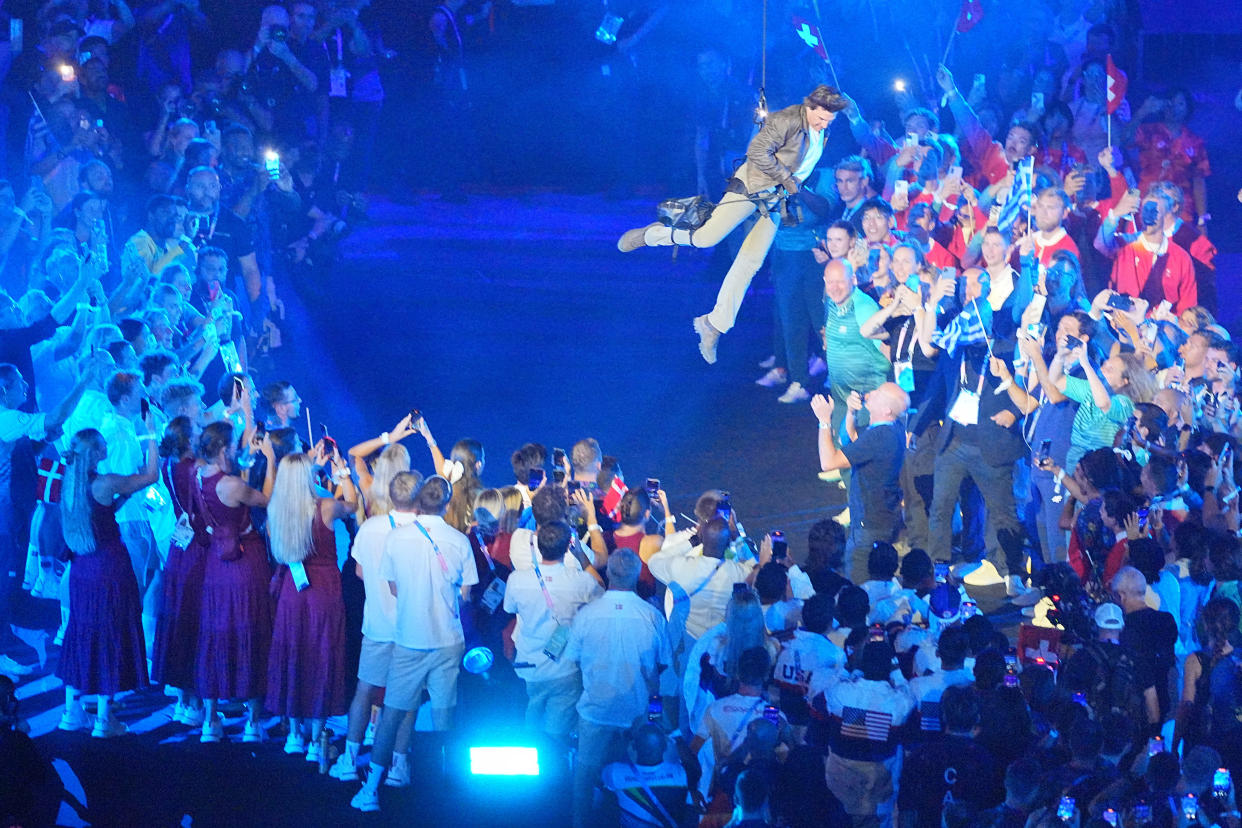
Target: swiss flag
1116 85
810 36
969 16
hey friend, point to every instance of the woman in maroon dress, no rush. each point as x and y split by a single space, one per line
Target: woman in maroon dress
176 626
104 652
306 667
235 622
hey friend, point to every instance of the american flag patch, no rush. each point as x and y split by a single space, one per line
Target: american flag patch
929 715
871 725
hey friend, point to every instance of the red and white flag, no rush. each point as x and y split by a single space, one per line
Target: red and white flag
1117 82
810 35
969 15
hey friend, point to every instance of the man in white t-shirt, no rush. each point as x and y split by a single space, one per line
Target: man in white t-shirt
545 600
429 567
620 644
724 724
705 579
379 620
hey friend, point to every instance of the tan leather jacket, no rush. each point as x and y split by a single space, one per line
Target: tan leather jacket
776 151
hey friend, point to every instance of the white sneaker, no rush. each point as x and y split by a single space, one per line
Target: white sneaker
981 574
107 728
312 751
1020 595
11 668
795 393
74 719
709 338
770 362
365 801
816 366
192 716
344 768
773 378
398 774
253 733
213 730
295 744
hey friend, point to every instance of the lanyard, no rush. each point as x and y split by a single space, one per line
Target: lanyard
478 536
962 366
444 567
746 719
901 342
546 597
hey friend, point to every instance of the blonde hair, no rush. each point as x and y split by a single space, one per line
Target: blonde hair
514 504
1141 387
85 451
291 510
391 461
491 501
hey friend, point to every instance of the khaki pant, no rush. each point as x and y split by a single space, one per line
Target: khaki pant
732 210
550 705
867 790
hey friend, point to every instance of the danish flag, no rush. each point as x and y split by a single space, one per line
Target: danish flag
810 36
1117 82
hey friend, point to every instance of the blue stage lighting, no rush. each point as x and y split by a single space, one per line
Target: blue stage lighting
504 761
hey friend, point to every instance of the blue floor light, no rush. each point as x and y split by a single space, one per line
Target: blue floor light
504 761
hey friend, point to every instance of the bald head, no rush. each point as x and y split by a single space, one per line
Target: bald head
887 403
838 280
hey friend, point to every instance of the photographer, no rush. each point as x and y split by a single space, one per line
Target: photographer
1152 267
545 600
281 81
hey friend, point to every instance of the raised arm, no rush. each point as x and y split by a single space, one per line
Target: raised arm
109 486
830 457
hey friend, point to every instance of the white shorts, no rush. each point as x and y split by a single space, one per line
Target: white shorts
412 671
374 661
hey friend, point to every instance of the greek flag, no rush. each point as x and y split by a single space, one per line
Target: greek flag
1019 194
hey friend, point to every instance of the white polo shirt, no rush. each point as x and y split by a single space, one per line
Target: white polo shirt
379 610
428 584
569 589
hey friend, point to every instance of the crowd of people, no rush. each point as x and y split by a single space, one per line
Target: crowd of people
1025 383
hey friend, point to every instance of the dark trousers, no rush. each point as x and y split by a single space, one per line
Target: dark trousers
799 286
960 461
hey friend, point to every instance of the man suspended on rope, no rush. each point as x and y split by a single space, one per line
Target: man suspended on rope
780 157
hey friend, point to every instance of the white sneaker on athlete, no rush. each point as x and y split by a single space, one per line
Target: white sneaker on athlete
816 366
344 768
75 718
312 751
773 378
366 801
11 668
398 775
107 728
253 732
631 240
295 744
192 716
795 393
213 730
